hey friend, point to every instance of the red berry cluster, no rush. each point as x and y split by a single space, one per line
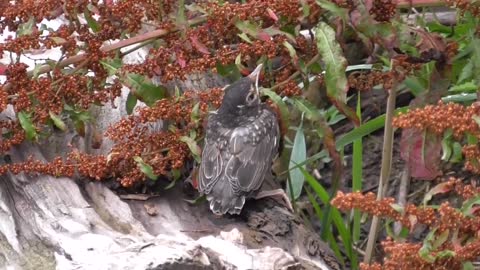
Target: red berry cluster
80 79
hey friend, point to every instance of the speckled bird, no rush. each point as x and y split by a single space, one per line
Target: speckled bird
242 139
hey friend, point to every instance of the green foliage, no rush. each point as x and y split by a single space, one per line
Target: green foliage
27 125
335 62
417 60
299 154
145 168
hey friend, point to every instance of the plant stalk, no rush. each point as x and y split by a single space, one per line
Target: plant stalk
385 170
420 3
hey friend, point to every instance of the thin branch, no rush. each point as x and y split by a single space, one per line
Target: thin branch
111 47
402 194
296 73
420 3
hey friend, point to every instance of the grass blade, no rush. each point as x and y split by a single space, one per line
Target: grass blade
357 173
348 138
365 129
335 217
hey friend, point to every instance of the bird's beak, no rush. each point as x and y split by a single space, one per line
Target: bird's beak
254 76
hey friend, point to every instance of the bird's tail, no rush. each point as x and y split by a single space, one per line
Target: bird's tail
222 199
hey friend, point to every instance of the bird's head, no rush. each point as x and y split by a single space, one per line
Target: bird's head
242 93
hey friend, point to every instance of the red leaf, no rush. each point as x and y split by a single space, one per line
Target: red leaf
475 210
263 36
245 71
423 160
199 45
195 178
157 71
441 188
181 61
3 68
272 14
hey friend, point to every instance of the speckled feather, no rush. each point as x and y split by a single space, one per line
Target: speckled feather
237 155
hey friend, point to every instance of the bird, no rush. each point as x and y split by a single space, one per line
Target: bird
241 142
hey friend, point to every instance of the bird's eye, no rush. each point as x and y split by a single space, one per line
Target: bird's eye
251 97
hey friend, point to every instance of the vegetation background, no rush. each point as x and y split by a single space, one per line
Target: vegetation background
377 99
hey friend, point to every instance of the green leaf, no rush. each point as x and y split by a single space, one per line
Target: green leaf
303 105
468 266
193 146
468 205
272 31
111 65
230 71
335 62
131 102
440 240
176 176
445 254
79 127
26 28
336 10
471 139
27 125
195 115
460 98
447 144
79 117
251 29
36 70
398 208
58 40
238 62
57 121
145 90
145 168
319 214
457 153
280 103
91 22
468 87
245 38
414 85
299 154
181 18
320 155
76 114
467 72
426 249
291 50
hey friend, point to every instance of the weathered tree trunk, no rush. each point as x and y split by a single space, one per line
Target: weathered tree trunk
61 223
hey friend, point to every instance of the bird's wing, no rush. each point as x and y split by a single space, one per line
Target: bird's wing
212 164
251 151
243 156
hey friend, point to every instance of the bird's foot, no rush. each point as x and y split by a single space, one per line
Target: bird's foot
284 200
